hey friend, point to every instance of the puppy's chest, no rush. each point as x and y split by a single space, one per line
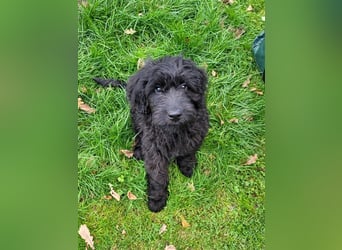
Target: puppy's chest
175 142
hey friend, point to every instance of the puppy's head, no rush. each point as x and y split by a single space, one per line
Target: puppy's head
171 90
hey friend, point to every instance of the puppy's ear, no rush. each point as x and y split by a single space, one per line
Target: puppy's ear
136 94
199 79
203 78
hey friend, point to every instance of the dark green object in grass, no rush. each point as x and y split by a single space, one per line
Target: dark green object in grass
259 52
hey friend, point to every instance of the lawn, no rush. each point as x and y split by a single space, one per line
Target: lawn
222 205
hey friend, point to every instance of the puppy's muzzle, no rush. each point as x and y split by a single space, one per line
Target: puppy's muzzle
175 114
175 102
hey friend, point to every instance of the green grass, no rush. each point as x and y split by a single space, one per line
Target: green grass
226 208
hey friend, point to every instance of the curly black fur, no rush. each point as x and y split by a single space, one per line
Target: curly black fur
170 119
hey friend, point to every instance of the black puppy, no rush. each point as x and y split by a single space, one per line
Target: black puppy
170 118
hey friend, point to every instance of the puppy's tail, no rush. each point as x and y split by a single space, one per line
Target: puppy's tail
110 82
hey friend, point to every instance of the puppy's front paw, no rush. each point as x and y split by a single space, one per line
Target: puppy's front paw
187 164
187 171
156 205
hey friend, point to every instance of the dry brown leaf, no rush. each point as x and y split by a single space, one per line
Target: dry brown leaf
84 232
185 224
140 63
191 186
115 195
129 31
229 2
213 73
83 106
127 153
107 197
163 229
252 159
170 247
131 196
248 81
249 8
234 120
239 32
221 122
79 102
257 91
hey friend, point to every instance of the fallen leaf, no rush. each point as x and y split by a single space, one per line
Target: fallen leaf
191 186
123 232
129 31
131 196
252 159
229 2
231 207
83 89
162 229
170 247
83 3
107 197
127 153
222 24
83 231
211 157
115 195
234 120
85 107
207 172
239 32
213 73
91 161
185 224
140 63
221 122
249 8
257 91
248 81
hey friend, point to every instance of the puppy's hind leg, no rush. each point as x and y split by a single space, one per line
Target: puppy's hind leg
187 164
137 148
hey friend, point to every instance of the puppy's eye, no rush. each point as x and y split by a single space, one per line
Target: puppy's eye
158 89
184 86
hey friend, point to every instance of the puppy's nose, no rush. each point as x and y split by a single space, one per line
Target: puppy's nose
175 115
